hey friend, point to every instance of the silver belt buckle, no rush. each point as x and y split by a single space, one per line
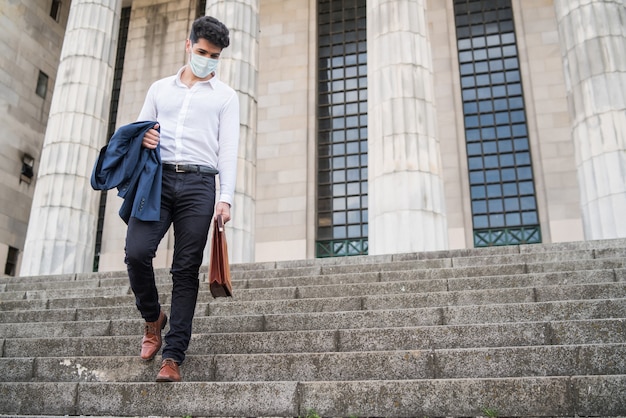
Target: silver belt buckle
177 169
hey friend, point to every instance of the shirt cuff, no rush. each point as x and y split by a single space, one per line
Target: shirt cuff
226 198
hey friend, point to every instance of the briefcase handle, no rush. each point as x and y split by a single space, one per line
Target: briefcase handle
220 223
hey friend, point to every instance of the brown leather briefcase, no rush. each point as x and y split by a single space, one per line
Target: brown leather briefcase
219 269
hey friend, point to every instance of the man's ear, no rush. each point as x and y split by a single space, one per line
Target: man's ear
188 46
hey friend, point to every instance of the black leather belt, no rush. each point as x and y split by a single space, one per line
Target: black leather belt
190 168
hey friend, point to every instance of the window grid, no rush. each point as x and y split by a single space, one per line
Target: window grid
342 226
504 208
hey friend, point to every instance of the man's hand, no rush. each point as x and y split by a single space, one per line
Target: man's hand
151 138
223 209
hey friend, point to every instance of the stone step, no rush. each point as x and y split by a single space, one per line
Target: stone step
430 299
530 330
439 268
593 331
602 248
607 244
29 286
106 287
527 396
222 307
422 275
535 258
125 321
307 286
447 259
78 293
404 282
347 285
611 248
321 298
556 360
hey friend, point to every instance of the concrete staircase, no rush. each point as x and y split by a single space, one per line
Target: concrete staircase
532 330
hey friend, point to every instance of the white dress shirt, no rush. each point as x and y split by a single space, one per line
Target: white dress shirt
199 125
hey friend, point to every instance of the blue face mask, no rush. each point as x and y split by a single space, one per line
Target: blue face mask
202 66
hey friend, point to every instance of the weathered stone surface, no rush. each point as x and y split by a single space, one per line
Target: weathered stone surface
542 334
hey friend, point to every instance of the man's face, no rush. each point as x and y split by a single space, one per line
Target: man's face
203 48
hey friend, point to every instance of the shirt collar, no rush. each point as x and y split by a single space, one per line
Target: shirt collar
179 82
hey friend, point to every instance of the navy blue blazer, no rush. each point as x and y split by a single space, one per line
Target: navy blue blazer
135 170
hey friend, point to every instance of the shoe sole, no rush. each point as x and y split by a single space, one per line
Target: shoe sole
166 380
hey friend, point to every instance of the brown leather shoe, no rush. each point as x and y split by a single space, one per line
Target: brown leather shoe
169 371
151 342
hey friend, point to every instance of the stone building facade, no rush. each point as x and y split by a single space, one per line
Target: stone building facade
367 126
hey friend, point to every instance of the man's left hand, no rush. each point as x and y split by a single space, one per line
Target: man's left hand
223 208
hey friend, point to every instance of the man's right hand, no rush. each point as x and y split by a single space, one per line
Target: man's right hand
151 138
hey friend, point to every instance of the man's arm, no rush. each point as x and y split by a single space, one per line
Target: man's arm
149 112
228 138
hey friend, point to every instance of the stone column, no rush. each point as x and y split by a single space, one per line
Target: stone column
239 68
406 200
61 230
593 45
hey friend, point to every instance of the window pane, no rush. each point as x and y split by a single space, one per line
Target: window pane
528 203
42 85
496 221
505 145
481 222
492 176
474 149
508 174
477 177
478 192
494 191
470 107
490 147
496 205
488 133
511 204
529 218
513 219
479 207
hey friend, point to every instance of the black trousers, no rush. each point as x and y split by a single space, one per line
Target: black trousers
187 203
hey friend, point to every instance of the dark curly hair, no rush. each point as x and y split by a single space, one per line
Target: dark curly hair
211 29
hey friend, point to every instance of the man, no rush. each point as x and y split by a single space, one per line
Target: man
197 131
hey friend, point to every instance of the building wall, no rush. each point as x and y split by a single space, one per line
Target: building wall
549 121
450 122
549 124
286 131
286 179
286 137
30 41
